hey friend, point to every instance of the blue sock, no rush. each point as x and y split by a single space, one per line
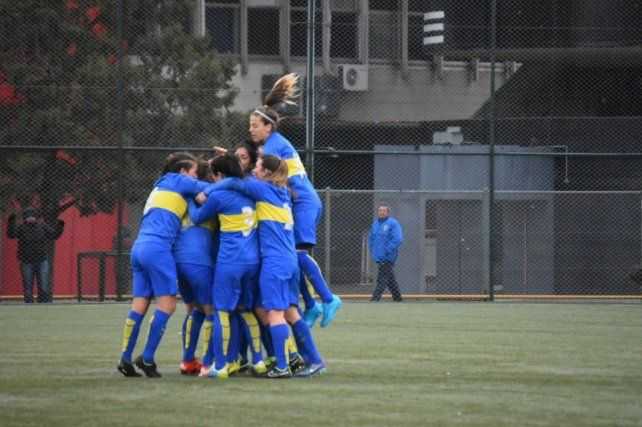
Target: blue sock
305 292
311 269
252 334
156 331
208 341
280 334
192 331
266 339
243 342
220 337
130 334
234 345
305 342
184 327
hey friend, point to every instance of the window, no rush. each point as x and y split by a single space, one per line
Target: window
384 5
384 33
344 35
222 24
263 31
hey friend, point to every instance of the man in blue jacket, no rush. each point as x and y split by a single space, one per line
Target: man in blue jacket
384 240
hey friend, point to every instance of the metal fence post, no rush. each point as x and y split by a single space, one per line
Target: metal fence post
327 243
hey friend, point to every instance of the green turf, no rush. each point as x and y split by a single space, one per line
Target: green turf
485 364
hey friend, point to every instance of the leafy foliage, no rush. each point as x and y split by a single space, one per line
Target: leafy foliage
62 83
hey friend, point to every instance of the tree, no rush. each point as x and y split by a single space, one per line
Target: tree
59 86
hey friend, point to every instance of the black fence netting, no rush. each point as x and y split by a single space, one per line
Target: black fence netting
504 135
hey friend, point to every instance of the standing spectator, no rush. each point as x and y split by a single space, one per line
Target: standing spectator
384 241
34 237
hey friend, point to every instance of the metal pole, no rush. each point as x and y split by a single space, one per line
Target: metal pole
309 91
491 141
328 213
120 99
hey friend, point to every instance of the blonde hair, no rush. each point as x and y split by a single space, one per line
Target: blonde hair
285 91
278 170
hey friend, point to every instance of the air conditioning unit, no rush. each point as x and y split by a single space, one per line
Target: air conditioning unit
354 77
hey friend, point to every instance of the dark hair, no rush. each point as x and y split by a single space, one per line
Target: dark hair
283 92
203 171
251 151
178 161
278 170
228 165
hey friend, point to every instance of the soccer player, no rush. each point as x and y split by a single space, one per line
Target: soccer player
279 276
195 267
237 269
153 264
307 208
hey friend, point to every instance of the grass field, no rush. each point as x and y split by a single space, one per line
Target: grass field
410 364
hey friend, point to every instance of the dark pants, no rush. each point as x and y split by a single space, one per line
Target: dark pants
38 271
386 279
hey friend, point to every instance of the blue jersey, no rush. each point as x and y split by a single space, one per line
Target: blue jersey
273 212
303 190
194 244
165 208
236 213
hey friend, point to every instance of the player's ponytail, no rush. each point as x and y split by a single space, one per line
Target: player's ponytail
283 93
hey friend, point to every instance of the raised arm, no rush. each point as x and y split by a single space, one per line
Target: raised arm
201 214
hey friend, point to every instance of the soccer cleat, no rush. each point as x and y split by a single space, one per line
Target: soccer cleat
277 373
221 374
233 368
149 369
330 310
296 362
192 367
270 362
127 369
259 369
244 366
311 315
311 370
205 370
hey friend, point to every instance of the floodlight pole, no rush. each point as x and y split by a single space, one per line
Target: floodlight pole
309 90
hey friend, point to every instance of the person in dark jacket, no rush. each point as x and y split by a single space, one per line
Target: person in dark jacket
384 240
34 237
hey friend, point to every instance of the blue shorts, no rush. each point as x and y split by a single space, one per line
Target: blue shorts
236 285
195 283
279 284
306 218
154 270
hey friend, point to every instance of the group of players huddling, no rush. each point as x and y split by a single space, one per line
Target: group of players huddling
238 249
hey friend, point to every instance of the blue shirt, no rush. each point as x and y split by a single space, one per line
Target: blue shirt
195 243
273 213
384 239
302 189
165 208
236 214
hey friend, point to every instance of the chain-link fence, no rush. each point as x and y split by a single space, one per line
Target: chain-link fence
504 134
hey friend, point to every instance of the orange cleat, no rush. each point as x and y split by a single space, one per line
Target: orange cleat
192 367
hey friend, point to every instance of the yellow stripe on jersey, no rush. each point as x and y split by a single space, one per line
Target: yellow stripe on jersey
243 222
186 223
268 212
295 167
168 200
